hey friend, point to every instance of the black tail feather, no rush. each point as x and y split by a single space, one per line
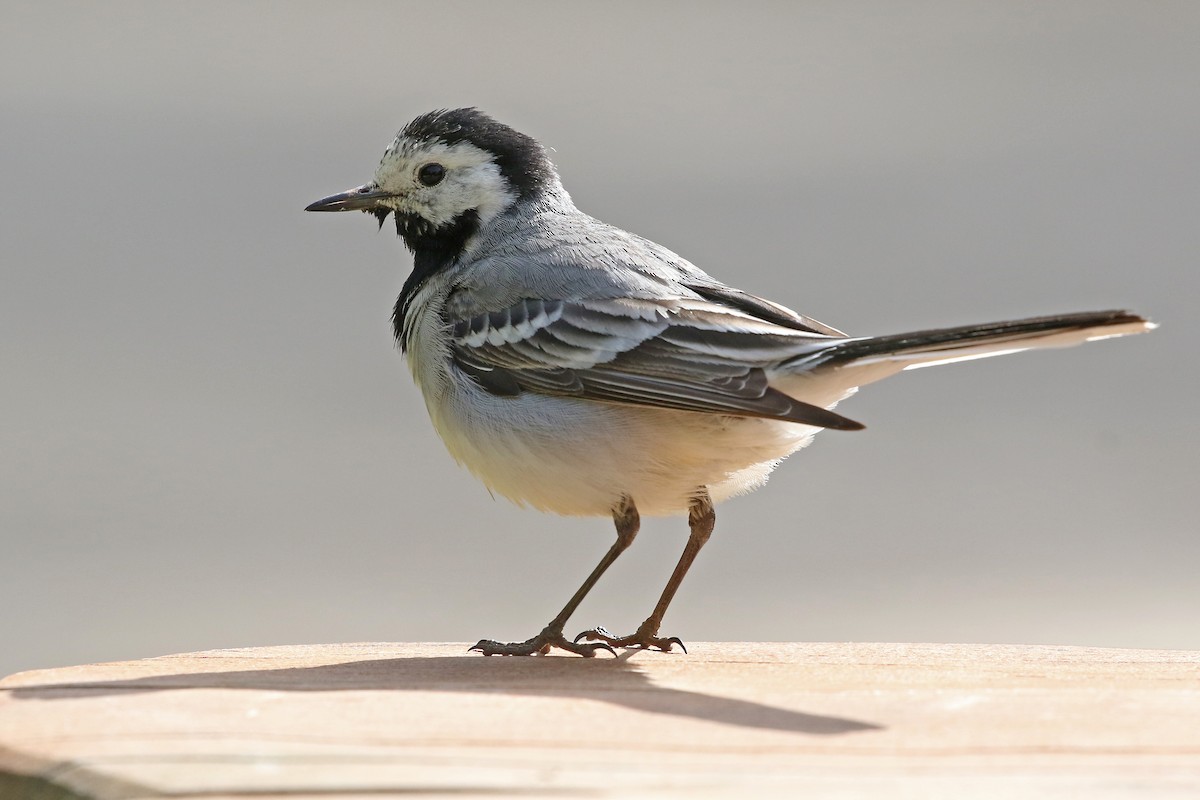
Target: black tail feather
972 335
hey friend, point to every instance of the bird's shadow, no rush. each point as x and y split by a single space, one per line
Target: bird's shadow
619 681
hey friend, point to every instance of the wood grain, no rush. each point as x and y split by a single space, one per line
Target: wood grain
730 719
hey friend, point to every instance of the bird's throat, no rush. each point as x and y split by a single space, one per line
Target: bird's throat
433 249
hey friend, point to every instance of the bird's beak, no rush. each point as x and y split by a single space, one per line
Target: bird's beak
367 197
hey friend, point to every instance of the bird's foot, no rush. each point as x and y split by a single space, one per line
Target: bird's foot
645 639
540 645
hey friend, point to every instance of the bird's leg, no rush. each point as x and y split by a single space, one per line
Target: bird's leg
701 518
627 521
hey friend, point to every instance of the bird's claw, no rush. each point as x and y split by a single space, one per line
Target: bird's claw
643 639
540 645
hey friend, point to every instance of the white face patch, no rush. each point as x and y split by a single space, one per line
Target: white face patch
472 181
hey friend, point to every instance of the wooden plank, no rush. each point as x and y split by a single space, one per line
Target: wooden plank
729 719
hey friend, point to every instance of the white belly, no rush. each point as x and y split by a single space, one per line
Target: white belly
580 457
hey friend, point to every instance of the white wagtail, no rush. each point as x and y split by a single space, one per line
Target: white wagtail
583 370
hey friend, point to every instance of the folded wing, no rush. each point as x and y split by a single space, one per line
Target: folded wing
681 353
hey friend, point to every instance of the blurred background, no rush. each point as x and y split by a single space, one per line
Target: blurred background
208 439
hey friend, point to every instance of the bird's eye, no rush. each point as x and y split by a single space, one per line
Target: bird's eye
431 174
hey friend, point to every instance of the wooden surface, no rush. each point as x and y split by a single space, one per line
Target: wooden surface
732 720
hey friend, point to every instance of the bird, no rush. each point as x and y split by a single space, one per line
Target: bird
579 369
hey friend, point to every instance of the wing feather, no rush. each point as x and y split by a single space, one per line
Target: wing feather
685 354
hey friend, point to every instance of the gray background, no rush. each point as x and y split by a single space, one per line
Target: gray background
208 439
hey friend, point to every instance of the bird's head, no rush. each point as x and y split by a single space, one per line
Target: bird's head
446 174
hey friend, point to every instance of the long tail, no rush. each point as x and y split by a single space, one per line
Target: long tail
946 345
827 376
